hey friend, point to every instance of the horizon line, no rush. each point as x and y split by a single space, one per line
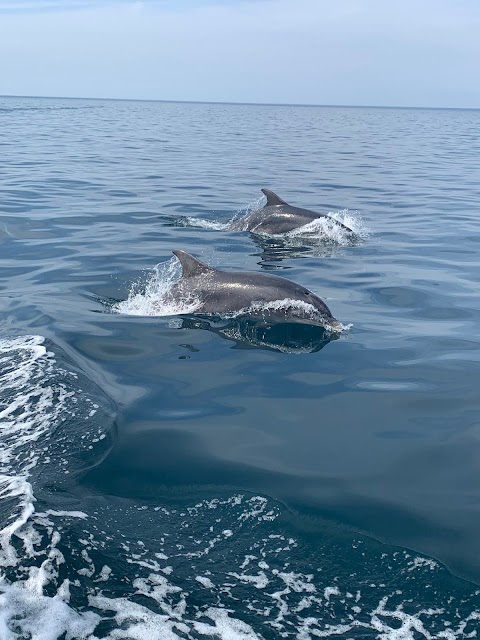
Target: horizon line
235 103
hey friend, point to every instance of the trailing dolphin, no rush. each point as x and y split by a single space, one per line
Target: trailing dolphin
231 293
277 216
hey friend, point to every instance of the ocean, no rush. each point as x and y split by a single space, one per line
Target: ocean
165 475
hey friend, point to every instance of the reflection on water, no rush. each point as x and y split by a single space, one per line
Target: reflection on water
276 249
250 333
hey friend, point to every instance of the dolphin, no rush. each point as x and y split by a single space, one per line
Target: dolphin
247 293
277 216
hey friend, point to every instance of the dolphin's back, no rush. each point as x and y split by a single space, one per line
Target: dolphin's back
283 218
227 291
280 218
224 291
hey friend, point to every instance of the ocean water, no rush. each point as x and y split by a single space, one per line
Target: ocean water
165 475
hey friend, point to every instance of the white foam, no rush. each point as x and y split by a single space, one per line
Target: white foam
206 582
67 514
25 610
282 601
149 296
225 627
422 563
137 621
330 591
325 228
14 487
216 225
29 405
34 400
26 613
259 581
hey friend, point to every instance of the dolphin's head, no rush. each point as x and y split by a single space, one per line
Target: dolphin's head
321 316
303 306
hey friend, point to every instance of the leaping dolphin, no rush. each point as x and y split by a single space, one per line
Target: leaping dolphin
232 292
277 216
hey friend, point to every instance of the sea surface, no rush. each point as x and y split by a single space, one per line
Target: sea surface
170 476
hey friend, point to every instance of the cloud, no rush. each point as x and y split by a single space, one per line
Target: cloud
290 51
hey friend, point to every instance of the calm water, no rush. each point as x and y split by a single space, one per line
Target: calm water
176 477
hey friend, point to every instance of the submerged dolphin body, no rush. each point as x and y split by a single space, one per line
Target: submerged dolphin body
277 216
233 292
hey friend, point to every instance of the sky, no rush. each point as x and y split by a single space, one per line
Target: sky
423 53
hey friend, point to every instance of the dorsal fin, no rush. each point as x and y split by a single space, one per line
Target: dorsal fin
190 265
272 198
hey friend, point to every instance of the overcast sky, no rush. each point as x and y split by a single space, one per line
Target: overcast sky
351 52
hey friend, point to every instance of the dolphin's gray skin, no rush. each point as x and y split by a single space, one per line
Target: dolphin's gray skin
279 217
227 292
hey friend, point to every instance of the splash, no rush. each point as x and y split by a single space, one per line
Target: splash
245 212
326 229
149 296
216 225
